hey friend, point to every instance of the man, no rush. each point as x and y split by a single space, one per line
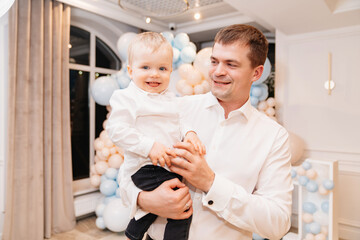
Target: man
243 184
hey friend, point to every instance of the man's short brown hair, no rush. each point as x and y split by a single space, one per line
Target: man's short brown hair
249 36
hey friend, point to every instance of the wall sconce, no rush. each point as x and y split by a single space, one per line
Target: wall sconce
330 84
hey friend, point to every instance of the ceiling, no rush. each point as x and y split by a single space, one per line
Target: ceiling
289 17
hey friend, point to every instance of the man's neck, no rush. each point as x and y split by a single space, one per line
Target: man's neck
231 106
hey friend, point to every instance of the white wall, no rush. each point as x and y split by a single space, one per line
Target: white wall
329 124
3 116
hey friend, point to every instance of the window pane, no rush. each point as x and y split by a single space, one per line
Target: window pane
100 113
79 110
79 46
105 57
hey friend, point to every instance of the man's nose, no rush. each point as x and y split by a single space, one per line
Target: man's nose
220 70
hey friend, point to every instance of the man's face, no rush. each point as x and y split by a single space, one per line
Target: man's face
231 73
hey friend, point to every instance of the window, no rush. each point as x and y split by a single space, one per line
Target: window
90 58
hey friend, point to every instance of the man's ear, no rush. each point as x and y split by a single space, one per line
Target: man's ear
129 70
257 73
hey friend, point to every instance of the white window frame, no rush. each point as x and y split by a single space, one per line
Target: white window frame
83 186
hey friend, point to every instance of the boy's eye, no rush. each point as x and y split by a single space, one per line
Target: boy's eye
145 67
162 68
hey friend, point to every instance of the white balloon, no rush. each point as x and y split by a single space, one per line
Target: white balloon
271 101
123 44
297 146
116 215
95 180
102 89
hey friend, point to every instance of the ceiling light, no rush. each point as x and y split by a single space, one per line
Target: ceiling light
147 19
197 16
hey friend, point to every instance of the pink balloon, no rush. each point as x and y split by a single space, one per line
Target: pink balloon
101 167
297 146
185 70
115 161
98 144
202 61
194 78
95 180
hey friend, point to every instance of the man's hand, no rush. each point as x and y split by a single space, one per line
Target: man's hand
160 154
193 167
166 202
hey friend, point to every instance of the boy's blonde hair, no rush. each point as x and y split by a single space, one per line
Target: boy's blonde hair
150 40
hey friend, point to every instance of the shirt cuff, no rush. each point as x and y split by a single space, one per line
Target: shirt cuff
145 146
219 194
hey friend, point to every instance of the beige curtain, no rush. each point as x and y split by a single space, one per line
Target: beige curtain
39 197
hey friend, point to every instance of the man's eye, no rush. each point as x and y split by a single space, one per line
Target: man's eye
213 62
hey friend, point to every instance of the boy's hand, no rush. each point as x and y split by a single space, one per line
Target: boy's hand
191 137
160 154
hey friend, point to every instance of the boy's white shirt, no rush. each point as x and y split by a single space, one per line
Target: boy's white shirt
138 119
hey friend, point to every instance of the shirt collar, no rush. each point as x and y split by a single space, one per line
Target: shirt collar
245 110
166 92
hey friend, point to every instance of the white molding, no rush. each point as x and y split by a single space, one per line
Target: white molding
86 204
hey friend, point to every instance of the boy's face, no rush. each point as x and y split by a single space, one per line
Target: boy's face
150 70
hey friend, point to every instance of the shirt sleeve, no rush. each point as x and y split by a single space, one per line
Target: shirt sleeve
121 126
269 203
183 104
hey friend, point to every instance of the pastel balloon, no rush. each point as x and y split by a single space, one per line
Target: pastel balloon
95 180
312 186
92 169
185 70
113 150
104 122
105 152
195 78
309 236
123 81
297 146
265 74
123 44
206 86
256 91
306 165
181 40
323 191
264 91
255 236
271 101
169 36
104 135
307 227
193 46
198 89
321 218
315 228
262 106
116 215
303 180
187 54
187 90
307 217
100 223
328 184
202 61
176 55
115 161
254 101
293 173
311 174
109 143
325 206
102 89
99 210
309 207
111 173
270 111
320 236
101 167
108 187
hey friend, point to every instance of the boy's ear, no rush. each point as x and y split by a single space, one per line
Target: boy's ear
129 70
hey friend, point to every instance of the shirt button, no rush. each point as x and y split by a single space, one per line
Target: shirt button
210 202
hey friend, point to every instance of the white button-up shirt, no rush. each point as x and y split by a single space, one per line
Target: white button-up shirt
138 119
250 156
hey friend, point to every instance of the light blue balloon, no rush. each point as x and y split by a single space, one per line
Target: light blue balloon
102 89
325 206
315 228
303 180
108 187
312 186
254 101
309 207
307 228
328 184
99 210
187 54
176 54
123 81
109 199
103 178
111 173
169 36
118 193
293 173
306 165
256 91
264 91
181 40
100 223
266 72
